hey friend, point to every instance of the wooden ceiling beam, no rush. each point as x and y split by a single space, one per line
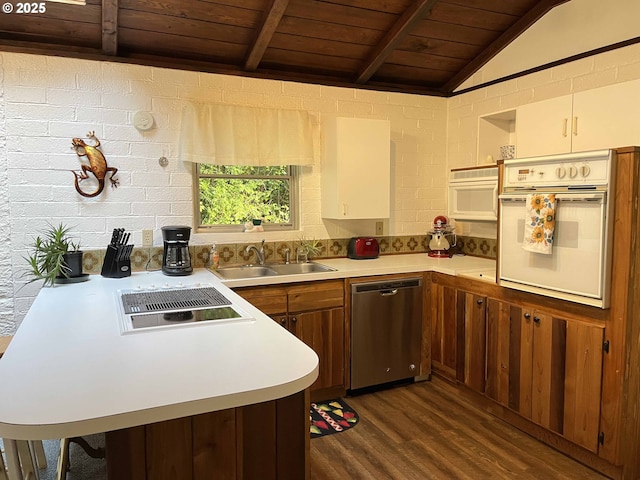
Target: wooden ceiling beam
415 12
531 17
271 20
110 27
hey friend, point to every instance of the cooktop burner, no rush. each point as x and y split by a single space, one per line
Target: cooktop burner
166 307
162 300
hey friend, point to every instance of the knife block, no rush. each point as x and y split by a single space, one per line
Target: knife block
117 262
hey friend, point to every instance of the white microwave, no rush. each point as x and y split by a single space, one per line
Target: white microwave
473 193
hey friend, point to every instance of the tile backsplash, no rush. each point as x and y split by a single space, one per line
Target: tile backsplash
150 258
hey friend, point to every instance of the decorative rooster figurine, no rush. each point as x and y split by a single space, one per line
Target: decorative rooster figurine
97 165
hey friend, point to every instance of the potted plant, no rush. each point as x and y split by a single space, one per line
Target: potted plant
308 249
54 257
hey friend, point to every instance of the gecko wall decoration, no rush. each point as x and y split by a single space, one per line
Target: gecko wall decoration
97 165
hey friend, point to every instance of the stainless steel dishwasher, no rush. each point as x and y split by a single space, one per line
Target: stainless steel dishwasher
386 331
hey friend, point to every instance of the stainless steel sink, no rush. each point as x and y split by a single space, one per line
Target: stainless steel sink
269 270
297 268
245 271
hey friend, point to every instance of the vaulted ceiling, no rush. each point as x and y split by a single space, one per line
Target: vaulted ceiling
414 46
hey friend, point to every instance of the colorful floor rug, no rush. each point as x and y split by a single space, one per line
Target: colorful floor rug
331 416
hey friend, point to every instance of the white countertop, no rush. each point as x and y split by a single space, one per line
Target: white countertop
384 265
69 371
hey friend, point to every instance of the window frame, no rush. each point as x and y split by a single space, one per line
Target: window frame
294 182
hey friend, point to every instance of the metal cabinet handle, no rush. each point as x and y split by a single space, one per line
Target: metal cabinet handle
527 316
564 127
283 321
536 319
294 320
479 301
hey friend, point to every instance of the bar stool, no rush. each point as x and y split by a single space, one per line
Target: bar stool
22 456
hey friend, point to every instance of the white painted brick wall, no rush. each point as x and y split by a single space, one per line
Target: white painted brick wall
45 101
49 100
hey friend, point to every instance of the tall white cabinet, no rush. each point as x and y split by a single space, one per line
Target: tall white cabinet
600 118
356 168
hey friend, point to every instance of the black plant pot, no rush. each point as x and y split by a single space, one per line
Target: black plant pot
73 260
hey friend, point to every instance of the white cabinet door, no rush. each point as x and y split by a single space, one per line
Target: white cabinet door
356 168
607 117
544 128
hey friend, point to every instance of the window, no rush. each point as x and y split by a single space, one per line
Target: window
230 195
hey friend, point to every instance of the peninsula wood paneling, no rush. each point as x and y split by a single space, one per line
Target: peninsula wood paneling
264 441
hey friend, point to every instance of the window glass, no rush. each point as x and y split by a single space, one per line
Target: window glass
230 195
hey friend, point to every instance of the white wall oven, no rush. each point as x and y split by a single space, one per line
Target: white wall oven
556 224
473 193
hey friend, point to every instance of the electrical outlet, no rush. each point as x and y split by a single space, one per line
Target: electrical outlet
147 238
379 228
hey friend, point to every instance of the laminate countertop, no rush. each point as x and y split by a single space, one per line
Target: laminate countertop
70 371
473 267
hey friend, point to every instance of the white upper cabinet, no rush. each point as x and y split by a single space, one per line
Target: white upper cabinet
604 117
356 168
544 128
607 117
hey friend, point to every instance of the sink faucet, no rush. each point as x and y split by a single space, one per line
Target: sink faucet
259 252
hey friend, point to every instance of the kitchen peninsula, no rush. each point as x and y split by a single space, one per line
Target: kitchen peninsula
170 400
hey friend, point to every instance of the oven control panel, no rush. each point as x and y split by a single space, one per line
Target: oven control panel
559 170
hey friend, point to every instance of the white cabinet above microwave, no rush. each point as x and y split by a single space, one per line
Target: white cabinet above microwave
473 193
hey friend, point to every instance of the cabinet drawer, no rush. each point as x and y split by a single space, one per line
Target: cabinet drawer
317 295
270 300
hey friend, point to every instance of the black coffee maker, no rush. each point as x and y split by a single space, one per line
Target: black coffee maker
176 259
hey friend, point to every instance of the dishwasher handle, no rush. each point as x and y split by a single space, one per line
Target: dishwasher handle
388 293
388 287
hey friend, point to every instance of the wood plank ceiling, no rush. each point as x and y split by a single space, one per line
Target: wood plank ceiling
414 46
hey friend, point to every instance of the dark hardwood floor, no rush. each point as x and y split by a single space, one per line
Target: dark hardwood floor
429 431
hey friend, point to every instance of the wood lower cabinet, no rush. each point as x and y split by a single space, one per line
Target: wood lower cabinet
458 335
323 331
546 368
444 330
313 312
471 313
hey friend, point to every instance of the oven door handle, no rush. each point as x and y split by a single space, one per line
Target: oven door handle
563 197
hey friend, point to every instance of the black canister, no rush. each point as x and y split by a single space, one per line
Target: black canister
175 258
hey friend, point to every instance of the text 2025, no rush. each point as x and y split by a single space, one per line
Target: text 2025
33 7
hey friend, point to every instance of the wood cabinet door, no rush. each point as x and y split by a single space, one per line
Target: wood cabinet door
547 375
323 331
544 128
444 330
583 384
503 360
472 309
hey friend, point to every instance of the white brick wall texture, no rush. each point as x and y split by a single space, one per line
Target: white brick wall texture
46 101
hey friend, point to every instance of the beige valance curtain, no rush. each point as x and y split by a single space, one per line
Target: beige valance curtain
238 135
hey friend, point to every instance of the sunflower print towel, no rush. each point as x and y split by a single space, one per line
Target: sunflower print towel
539 223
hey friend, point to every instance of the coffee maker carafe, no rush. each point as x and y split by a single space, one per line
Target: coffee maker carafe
175 258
